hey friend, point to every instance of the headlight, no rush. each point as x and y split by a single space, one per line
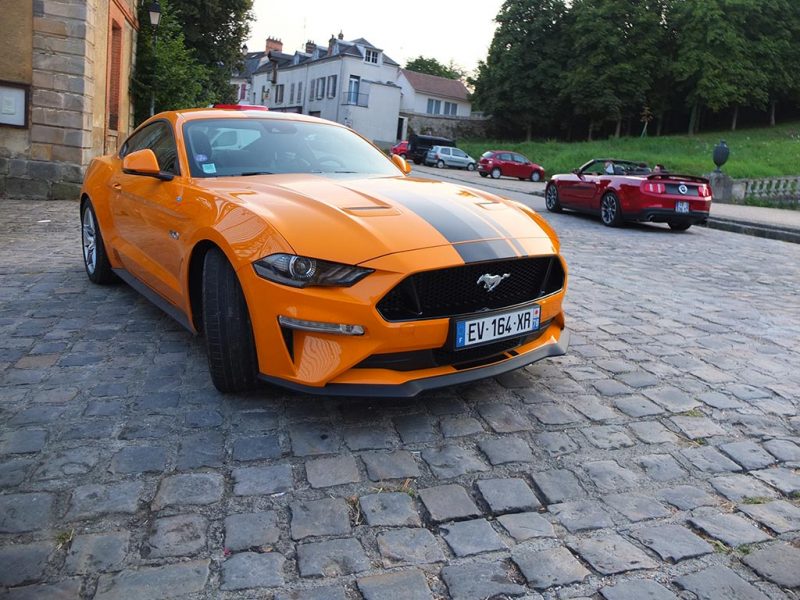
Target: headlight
301 271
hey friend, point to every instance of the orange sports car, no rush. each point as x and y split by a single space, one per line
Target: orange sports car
309 259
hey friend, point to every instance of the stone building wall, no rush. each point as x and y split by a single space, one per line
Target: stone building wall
67 48
450 127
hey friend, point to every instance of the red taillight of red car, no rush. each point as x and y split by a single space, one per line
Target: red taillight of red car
654 188
704 191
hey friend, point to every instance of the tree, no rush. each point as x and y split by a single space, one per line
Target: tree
215 31
431 66
173 73
715 61
617 50
519 81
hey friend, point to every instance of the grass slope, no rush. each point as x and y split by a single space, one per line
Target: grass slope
764 152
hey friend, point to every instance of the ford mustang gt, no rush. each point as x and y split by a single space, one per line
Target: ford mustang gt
620 190
309 259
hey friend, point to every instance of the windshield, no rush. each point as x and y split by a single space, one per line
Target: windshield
241 147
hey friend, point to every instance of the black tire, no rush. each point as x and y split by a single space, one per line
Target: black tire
551 201
496 173
678 226
226 324
483 174
610 211
404 157
417 161
440 164
536 176
471 167
95 259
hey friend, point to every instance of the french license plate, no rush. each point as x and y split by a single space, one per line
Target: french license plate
682 206
480 330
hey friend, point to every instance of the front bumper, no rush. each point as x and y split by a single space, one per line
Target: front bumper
323 363
554 347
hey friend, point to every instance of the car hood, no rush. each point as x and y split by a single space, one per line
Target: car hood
353 220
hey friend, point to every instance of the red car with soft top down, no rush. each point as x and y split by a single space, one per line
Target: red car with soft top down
498 163
621 190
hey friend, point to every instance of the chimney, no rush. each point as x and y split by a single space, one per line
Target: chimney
310 47
331 44
274 44
341 35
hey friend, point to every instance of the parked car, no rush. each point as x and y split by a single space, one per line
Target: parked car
401 148
504 163
418 146
621 190
442 156
308 259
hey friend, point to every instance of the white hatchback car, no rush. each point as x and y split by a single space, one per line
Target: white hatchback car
445 156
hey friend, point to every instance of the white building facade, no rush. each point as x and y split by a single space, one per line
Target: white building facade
350 82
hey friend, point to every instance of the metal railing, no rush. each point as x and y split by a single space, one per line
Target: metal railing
355 99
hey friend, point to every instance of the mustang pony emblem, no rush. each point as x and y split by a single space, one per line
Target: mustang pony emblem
491 281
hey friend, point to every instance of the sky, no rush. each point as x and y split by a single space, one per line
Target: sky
457 31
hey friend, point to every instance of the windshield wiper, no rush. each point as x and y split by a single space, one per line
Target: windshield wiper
248 173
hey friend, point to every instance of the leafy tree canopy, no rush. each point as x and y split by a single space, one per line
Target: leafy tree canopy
173 72
431 66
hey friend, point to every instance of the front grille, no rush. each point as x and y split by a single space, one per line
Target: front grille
455 291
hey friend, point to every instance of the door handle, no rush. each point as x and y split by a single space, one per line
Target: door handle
117 186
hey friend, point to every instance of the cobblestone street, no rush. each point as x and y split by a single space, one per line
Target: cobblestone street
659 459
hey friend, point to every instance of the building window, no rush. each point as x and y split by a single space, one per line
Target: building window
451 108
434 106
115 76
279 94
300 93
291 94
332 86
320 88
371 56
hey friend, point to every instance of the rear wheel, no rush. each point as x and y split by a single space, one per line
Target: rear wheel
678 226
610 213
471 167
536 176
226 324
496 173
551 199
95 259
403 156
440 164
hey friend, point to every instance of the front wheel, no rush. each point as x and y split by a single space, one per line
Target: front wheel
471 167
536 176
226 324
678 226
610 212
483 174
551 199
496 173
95 259
440 164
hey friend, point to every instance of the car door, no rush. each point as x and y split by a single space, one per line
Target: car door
506 164
522 166
577 192
150 216
459 158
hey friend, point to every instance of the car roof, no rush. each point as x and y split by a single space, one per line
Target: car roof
195 114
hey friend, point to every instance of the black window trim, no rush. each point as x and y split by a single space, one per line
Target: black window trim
142 127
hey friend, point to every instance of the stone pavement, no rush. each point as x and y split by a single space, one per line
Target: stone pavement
658 459
771 223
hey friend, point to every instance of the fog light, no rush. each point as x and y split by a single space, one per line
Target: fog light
318 327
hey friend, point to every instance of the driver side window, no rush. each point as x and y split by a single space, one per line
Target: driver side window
158 138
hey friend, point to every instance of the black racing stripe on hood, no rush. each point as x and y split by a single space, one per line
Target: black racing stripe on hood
472 252
455 222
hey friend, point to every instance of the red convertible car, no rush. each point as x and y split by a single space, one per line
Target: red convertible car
621 190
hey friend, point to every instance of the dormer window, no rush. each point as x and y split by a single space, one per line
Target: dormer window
371 56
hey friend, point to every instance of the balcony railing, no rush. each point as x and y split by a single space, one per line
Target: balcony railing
355 99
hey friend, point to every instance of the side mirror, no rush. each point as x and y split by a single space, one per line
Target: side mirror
401 163
144 162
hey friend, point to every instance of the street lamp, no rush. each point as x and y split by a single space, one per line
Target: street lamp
155 18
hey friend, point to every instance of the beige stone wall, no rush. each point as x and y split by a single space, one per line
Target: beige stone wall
67 62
